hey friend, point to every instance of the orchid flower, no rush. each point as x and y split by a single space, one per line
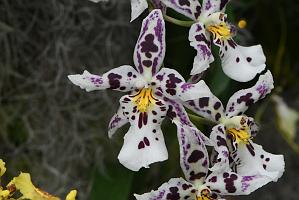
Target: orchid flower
232 136
201 184
139 6
239 63
154 94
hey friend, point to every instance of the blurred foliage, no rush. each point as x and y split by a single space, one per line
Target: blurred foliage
114 182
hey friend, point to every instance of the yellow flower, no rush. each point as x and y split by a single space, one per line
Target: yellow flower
71 195
2 167
28 190
4 194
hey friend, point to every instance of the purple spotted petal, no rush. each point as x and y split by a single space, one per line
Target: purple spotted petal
253 126
212 6
177 112
230 183
253 159
241 63
123 78
218 139
208 106
189 8
194 158
117 121
150 47
159 5
174 86
202 44
144 142
241 100
174 189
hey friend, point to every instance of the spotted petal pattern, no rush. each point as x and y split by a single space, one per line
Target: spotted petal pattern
253 126
144 142
174 189
230 183
201 42
194 158
189 8
177 112
241 63
124 78
218 139
159 5
174 86
208 106
137 7
117 121
212 6
252 159
241 100
150 47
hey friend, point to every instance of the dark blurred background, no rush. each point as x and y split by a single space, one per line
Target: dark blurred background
58 133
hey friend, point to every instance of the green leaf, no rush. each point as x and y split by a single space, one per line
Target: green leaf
217 80
114 184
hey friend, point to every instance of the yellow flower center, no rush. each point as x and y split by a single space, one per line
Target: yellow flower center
220 31
239 135
144 99
205 195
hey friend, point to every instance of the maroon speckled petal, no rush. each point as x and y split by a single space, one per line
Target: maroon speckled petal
194 158
189 8
124 78
212 6
174 189
241 100
201 42
231 183
150 48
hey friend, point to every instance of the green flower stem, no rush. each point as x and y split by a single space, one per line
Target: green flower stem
201 120
178 22
171 19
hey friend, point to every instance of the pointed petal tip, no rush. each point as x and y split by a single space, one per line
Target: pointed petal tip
74 78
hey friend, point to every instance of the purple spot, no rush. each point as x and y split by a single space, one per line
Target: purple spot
195 156
141 145
146 141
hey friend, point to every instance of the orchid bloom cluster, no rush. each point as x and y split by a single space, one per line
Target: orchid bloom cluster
21 187
236 165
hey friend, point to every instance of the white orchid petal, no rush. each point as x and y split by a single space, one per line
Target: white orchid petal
218 138
123 78
189 8
137 7
241 100
174 86
175 188
212 6
230 183
194 158
144 142
206 105
117 121
150 47
254 160
202 44
241 63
